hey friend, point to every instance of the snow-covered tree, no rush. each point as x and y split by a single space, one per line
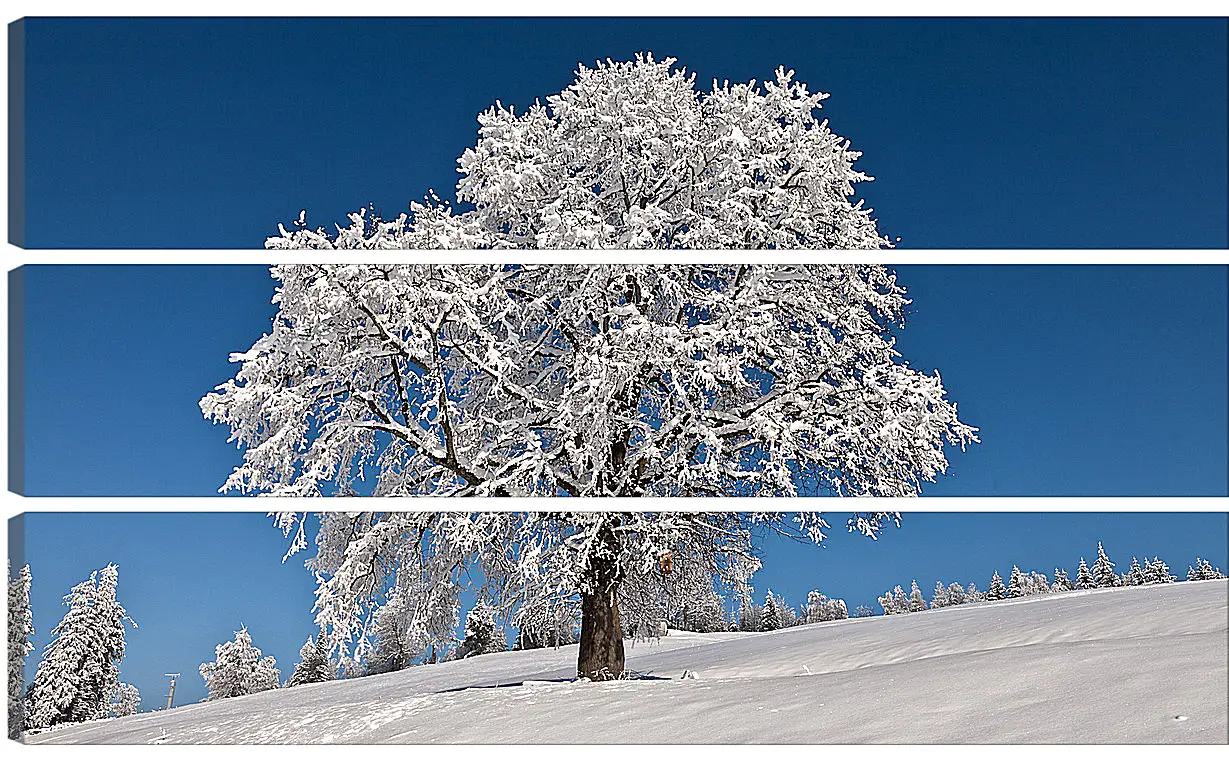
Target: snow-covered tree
239 669
956 594
1062 582
1084 578
79 670
602 379
481 634
631 155
1156 571
1203 570
900 600
751 618
547 624
681 593
524 558
917 602
1015 585
974 595
1210 571
125 700
940 598
772 619
392 646
863 611
314 665
1103 570
822 608
1135 576
997 591
21 626
592 379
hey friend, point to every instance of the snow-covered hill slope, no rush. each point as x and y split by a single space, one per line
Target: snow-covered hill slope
1143 664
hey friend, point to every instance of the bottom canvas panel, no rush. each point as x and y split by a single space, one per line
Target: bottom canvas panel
577 628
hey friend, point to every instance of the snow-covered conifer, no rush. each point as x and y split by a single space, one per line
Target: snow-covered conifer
1103 569
1203 571
1135 576
1062 582
314 665
1016 586
21 626
917 602
772 619
751 618
125 700
1156 571
863 611
956 594
836 610
816 607
1084 578
887 604
997 591
239 669
79 670
481 634
941 597
974 595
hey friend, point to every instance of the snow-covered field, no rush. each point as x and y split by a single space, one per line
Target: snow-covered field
1135 665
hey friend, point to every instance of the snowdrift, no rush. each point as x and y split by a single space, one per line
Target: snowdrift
1133 665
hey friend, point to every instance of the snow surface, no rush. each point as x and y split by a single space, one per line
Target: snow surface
1132 665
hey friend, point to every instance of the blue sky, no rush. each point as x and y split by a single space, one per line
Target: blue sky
1084 380
1014 133
191 579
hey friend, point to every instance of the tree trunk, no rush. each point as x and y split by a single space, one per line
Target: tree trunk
601 632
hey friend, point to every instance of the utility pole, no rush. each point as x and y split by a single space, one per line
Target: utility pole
170 696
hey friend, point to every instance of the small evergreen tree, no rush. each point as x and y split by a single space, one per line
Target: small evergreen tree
900 600
941 598
481 634
21 626
916 601
752 618
837 610
997 591
862 612
956 594
314 665
239 669
1203 571
1135 576
973 594
772 619
1016 586
816 607
125 700
1103 569
1062 582
80 667
1084 578
1156 571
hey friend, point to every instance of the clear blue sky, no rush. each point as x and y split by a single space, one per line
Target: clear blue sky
1084 380
1024 133
191 579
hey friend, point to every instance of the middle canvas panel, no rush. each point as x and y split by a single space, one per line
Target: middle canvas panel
509 379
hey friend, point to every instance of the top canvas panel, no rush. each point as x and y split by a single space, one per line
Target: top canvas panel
978 133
